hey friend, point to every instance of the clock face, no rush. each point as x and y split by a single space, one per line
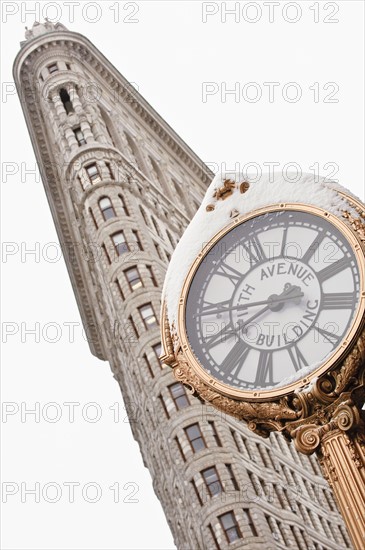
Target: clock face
276 294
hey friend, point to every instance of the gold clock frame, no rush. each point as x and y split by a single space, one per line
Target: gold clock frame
357 322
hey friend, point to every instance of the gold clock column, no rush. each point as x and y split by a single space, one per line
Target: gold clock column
340 447
342 458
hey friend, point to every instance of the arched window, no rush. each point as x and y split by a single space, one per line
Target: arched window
120 244
124 206
66 100
109 127
144 216
156 226
79 135
178 187
106 208
135 152
157 172
170 238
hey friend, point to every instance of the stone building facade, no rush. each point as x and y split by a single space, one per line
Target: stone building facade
122 187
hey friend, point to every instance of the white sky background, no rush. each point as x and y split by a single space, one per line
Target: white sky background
168 53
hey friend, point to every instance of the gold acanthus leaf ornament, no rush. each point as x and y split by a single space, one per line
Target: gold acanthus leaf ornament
244 410
350 367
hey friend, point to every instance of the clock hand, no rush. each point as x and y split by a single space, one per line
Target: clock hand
275 299
285 296
228 330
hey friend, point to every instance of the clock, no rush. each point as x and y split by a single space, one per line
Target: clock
275 299
263 318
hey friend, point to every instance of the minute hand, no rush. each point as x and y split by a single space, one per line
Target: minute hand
280 298
284 297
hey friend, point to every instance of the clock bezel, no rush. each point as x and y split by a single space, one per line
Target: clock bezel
333 360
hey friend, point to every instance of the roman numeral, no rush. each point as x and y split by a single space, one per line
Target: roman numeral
255 251
333 269
283 242
329 336
222 336
313 247
297 358
264 375
227 271
233 362
338 300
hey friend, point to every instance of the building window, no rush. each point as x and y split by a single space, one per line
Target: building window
120 243
162 401
215 433
156 226
179 396
178 187
41 77
157 348
250 523
329 500
136 241
52 68
106 207
255 482
168 256
68 66
93 173
136 157
66 100
152 275
144 216
119 288
196 490
230 526
295 537
148 316
124 206
232 477
132 324
246 446
148 365
233 434
158 250
280 496
344 536
180 448
195 437
79 135
109 168
133 277
169 236
211 530
212 481
263 455
157 172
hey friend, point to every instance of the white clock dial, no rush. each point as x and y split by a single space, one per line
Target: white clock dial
274 295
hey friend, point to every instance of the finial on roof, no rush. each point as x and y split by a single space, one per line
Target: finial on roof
42 28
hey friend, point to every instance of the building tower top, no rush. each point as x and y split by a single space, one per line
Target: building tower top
42 28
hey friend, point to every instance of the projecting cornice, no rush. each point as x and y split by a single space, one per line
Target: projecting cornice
82 49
